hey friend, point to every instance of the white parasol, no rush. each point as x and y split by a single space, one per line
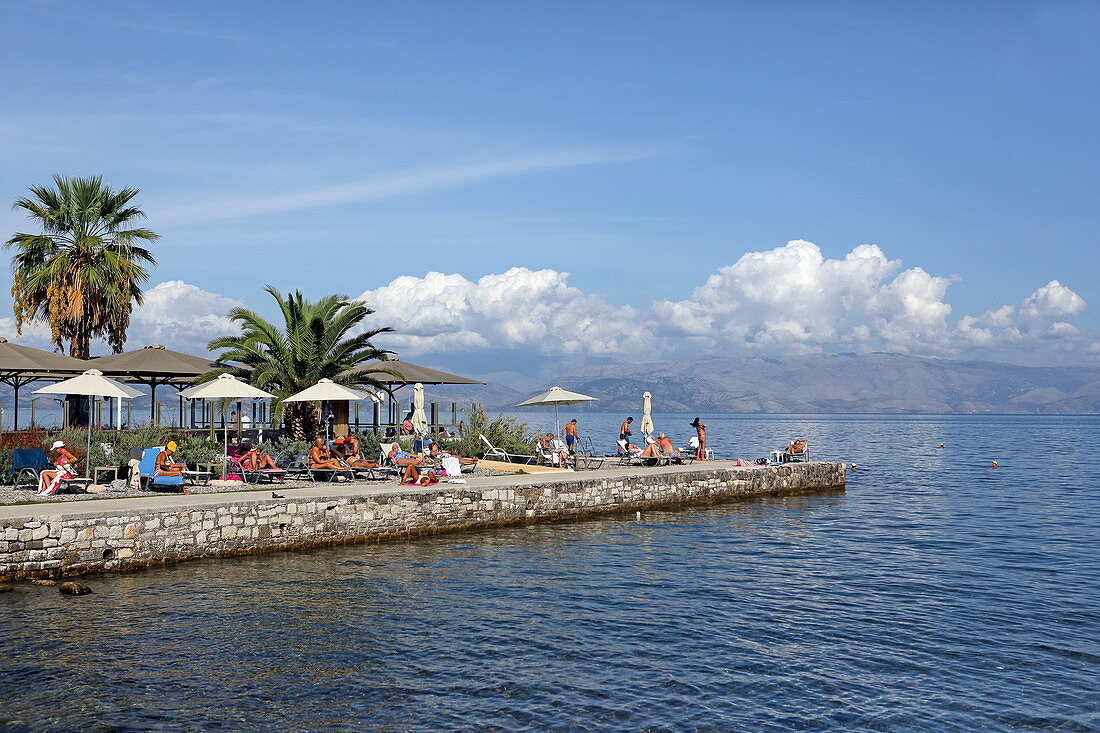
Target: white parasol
225 387
556 396
91 383
419 420
647 417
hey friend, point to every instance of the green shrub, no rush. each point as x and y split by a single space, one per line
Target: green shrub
507 433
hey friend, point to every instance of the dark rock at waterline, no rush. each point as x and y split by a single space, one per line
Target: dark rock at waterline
73 589
6 588
43 581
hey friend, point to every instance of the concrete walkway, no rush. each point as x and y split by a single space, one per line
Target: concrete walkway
326 491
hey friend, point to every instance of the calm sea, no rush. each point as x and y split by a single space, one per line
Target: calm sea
936 593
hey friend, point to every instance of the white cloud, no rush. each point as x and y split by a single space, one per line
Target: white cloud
397 183
791 299
180 316
1039 320
517 309
176 314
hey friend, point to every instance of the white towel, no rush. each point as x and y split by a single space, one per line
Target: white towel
452 466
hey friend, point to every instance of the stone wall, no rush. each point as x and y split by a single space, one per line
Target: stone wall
54 540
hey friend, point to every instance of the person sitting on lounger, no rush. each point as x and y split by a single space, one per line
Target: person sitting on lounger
164 465
319 457
665 443
435 450
252 460
561 456
403 457
797 447
347 451
63 461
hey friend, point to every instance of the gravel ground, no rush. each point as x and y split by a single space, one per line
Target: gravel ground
25 494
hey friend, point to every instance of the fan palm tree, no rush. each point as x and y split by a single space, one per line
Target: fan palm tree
83 274
313 343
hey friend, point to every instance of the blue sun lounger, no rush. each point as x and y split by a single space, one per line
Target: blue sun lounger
147 470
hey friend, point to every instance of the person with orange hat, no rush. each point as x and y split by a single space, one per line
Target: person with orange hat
164 465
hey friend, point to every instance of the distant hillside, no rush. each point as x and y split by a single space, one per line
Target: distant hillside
833 383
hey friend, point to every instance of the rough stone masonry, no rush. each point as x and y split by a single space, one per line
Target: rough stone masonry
74 538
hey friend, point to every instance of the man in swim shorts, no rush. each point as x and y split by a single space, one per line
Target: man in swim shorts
570 433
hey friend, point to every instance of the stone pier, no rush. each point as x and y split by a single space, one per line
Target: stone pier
74 538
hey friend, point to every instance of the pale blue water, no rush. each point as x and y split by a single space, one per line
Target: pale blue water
935 594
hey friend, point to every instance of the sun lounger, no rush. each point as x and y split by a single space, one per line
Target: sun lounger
147 472
498 454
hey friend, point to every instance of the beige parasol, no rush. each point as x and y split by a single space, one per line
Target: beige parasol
91 383
647 417
556 396
419 420
225 387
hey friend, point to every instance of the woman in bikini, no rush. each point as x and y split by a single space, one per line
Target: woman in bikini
701 431
253 460
319 457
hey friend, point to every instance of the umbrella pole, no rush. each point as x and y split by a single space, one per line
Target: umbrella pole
88 455
225 453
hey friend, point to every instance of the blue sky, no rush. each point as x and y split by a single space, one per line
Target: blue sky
637 146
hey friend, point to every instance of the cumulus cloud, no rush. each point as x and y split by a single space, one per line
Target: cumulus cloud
518 309
787 300
793 299
181 316
176 314
1039 320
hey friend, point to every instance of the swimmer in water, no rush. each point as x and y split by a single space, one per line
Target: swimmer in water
941 445
853 468
995 465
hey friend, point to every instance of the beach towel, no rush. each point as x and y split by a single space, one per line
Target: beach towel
451 466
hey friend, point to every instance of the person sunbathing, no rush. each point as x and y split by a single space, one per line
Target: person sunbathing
49 481
346 450
320 458
797 447
413 476
435 450
164 465
666 446
252 460
403 457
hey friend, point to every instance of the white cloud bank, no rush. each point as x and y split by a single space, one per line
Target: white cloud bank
176 314
787 300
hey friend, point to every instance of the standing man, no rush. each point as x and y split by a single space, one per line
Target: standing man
624 430
570 433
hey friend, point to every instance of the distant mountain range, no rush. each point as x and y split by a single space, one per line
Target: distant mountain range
826 383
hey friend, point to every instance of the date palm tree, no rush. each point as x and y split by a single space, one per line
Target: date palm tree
312 343
83 274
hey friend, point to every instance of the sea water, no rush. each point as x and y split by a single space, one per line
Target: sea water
935 593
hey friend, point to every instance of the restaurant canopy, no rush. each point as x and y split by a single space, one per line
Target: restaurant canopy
20 365
405 373
154 366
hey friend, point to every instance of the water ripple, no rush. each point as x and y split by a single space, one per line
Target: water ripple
934 594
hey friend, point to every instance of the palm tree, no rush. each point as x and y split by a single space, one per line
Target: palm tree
312 344
83 273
